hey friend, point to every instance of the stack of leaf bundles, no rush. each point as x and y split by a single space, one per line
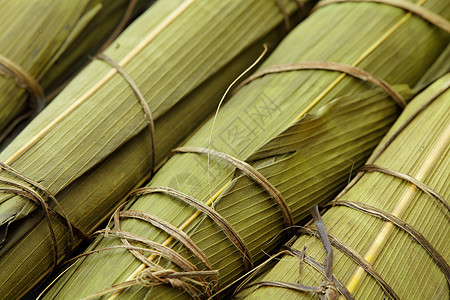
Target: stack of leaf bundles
42 43
304 131
400 263
92 145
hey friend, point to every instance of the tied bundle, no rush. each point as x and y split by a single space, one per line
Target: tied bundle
388 231
106 132
285 141
42 43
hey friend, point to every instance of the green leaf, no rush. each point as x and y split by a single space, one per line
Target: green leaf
390 45
51 41
91 146
421 151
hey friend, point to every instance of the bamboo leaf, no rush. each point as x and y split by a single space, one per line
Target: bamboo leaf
420 150
388 45
91 145
50 41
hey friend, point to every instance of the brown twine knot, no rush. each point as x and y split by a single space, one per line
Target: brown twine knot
150 277
330 291
191 282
